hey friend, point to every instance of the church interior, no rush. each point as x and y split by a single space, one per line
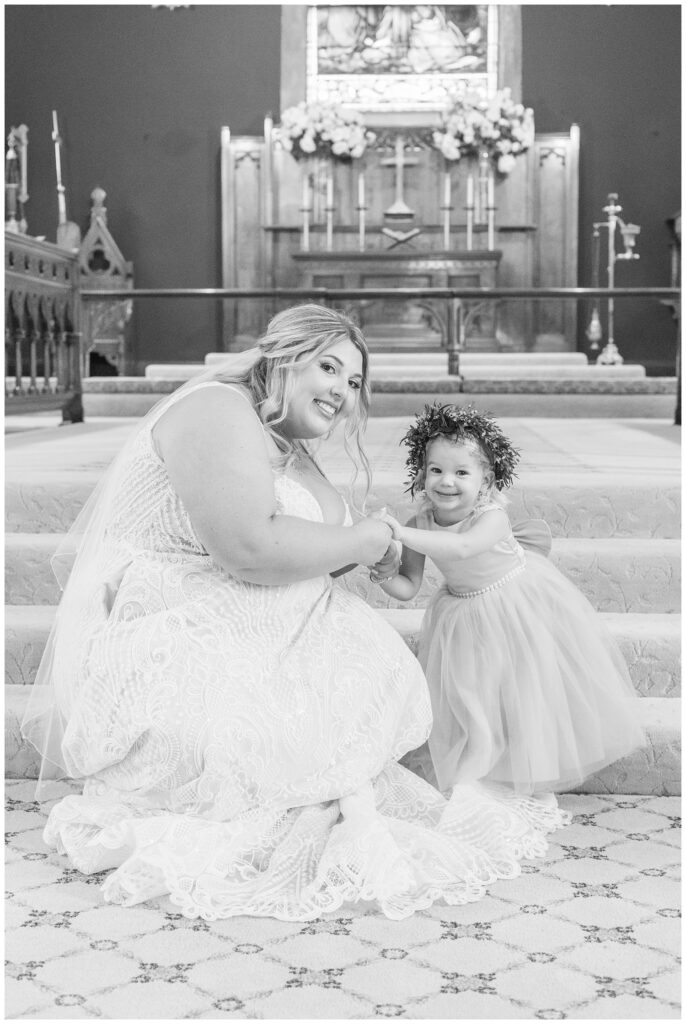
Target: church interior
154 172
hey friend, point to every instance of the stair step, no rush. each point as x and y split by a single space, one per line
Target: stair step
585 505
649 643
652 770
615 575
474 359
436 365
573 504
648 398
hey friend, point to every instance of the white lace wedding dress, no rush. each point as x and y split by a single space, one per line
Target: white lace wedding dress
217 723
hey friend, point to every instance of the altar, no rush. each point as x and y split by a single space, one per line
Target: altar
398 207
419 323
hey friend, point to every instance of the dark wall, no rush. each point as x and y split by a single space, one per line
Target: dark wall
615 71
142 95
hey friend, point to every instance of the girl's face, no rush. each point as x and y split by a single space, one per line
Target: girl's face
325 391
454 477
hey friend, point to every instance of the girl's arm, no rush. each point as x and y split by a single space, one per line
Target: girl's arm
214 450
489 528
405 585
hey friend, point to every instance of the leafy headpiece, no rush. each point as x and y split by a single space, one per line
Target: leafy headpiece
462 424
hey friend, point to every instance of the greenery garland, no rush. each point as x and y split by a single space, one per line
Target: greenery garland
460 423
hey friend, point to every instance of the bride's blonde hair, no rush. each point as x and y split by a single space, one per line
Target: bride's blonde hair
293 339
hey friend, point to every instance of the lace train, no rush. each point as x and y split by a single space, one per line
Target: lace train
295 865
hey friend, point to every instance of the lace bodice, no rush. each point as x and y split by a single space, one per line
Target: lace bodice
148 515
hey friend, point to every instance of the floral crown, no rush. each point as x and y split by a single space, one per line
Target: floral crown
466 424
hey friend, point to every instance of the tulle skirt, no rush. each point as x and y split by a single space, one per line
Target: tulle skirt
527 686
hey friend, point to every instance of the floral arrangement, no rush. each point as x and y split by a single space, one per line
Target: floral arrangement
462 423
316 129
478 122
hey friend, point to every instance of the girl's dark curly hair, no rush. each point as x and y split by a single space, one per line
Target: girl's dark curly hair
460 423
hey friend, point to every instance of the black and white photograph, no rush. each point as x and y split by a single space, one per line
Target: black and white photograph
342 511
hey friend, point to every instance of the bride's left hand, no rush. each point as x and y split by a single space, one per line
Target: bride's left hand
387 567
395 526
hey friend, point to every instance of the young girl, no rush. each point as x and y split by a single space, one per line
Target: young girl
527 687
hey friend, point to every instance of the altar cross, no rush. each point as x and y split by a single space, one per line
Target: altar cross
399 209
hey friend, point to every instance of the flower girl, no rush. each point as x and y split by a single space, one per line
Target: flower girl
527 686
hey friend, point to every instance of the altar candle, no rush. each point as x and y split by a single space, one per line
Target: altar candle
360 190
491 212
470 212
446 189
329 191
305 242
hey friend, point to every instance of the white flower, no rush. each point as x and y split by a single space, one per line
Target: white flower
506 163
481 122
327 130
307 143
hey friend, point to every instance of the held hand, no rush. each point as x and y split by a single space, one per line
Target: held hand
395 526
373 538
387 567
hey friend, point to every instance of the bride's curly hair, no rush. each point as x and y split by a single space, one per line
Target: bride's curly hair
293 339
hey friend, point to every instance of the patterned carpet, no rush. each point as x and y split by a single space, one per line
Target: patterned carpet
591 932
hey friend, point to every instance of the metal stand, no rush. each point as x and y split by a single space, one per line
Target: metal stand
610 355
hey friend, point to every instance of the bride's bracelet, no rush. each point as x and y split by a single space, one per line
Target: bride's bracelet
374 579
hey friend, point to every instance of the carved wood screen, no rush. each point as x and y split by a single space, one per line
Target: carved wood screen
537 203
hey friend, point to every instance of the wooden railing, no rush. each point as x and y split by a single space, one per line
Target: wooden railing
454 301
42 328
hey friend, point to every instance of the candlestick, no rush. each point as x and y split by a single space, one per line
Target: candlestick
491 212
470 212
305 241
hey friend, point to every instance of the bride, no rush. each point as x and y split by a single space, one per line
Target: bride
236 716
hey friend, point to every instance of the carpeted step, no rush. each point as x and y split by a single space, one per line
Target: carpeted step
652 770
575 505
650 644
616 575
584 505
635 397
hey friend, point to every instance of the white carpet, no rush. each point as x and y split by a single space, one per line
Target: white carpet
591 932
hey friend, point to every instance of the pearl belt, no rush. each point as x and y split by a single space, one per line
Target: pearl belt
491 586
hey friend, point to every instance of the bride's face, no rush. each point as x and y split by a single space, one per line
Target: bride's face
325 391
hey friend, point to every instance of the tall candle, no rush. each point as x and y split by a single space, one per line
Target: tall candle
491 212
305 241
329 191
470 212
446 189
360 190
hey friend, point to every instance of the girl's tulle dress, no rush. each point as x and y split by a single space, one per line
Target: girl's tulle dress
527 686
